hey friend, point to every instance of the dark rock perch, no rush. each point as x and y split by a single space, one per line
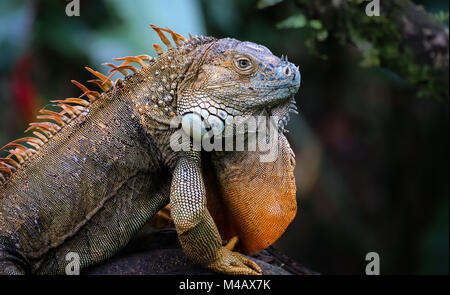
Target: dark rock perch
159 253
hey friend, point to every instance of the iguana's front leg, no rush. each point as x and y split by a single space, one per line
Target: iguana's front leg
196 229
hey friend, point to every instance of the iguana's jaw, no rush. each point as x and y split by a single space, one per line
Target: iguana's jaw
281 107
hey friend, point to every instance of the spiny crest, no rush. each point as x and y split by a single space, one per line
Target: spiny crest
70 108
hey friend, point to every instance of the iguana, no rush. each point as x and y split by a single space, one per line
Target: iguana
90 175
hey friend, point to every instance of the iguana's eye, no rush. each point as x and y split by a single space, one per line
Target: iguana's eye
243 63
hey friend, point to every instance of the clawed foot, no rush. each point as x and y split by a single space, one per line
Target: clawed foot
233 263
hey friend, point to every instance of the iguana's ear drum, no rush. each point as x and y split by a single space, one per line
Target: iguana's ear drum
250 199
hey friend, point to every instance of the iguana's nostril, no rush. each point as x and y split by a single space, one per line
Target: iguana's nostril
287 71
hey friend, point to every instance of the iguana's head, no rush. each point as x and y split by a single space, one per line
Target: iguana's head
237 79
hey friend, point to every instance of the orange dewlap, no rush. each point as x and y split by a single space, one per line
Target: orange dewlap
252 200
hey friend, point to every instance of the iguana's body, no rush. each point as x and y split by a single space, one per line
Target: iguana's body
109 168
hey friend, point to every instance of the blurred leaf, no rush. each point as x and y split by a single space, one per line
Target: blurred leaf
322 35
316 24
293 22
441 16
266 3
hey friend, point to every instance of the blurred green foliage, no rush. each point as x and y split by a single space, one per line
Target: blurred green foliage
377 38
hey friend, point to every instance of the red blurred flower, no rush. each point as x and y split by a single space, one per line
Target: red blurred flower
24 91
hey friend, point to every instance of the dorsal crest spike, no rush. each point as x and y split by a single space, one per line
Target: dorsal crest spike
130 59
115 69
100 84
40 136
85 90
158 49
177 38
127 67
10 162
161 35
33 141
99 75
18 154
47 117
50 127
6 168
14 146
92 95
74 100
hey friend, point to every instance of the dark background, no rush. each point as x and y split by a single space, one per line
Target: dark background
372 156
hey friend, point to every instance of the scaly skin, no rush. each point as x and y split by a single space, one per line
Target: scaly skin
91 179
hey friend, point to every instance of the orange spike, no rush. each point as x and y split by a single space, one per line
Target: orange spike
162 36
47 133
68 109
109 65
18 154
99 75
10 162
73 100
50 127
14 145
100 84
79 109
6 168
128 67
84 89
158 49
91 94
50 117
57 117
49 112
190 37
131 59
177 38
122 69
28 139
34 145
81 86
41 136
145 57
20 149
118 83
115 69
